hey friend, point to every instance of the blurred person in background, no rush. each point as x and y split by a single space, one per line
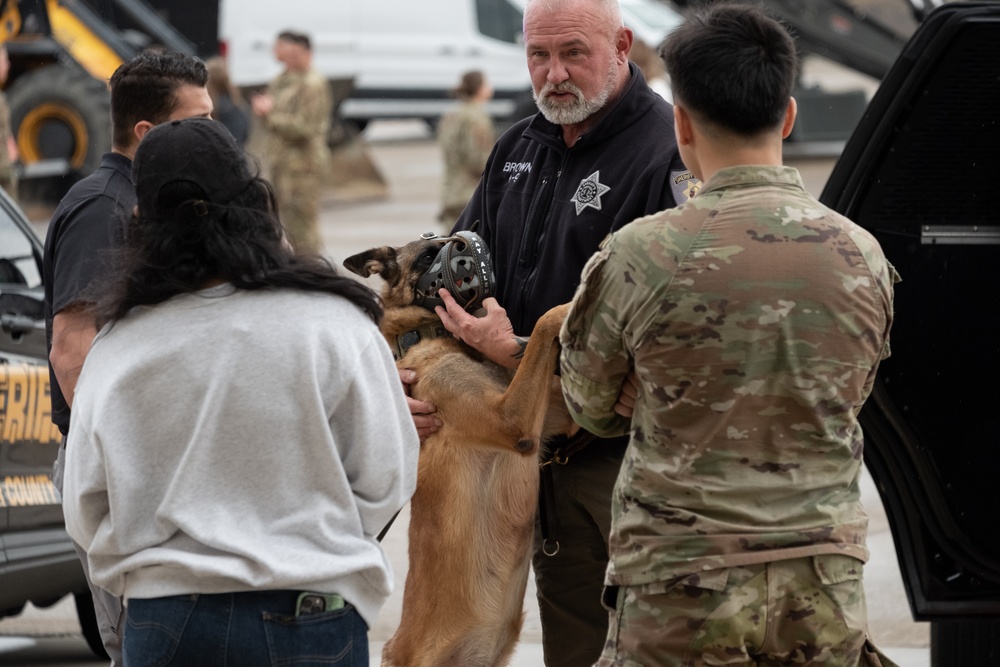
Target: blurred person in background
466 136
230 108
649 61
8 146
295 113
239 434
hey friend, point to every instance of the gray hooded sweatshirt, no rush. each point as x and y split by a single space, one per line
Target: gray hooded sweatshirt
229 441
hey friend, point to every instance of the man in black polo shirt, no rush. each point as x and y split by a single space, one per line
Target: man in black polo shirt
153 87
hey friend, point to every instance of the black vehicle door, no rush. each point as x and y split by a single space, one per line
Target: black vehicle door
922 172
28 439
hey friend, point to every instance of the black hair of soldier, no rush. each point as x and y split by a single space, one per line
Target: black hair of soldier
732 66
143 87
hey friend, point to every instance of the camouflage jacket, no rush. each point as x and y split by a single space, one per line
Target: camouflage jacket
755 319
7 176
300 121
466 137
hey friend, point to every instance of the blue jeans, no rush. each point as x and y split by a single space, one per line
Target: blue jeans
254 629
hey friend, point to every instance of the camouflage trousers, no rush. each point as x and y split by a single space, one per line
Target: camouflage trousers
298 193
802 611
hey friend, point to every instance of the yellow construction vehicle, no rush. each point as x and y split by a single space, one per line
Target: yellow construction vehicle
62 53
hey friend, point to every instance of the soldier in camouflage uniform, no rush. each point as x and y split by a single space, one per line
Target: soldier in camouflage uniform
8 147
466 137
741 332
296 114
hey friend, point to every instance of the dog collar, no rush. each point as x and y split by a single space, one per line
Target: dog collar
408 339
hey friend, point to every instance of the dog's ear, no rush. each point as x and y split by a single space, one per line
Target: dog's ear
377 260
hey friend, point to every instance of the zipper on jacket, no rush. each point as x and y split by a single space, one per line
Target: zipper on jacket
536 222
533 218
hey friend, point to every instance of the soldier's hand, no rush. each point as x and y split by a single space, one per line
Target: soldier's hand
630 393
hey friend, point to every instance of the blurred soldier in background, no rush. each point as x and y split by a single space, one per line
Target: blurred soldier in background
651 65
296 113
8 147
466 136
230 107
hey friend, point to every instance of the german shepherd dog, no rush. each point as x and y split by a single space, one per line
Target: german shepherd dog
472 515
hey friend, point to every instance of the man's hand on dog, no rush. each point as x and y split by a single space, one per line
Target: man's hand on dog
492 335
423 412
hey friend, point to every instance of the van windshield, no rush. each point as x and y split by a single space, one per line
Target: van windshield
18 264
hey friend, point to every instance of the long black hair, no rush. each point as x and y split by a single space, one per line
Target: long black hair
182 243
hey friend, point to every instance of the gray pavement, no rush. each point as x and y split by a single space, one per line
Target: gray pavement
360 215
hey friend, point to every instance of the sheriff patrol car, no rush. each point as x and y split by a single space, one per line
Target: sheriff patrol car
38 563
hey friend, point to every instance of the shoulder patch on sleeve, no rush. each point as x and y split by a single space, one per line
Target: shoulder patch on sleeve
683 185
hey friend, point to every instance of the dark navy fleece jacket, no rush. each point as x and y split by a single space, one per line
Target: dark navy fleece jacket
544 209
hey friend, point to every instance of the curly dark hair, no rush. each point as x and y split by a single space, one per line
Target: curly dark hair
186 243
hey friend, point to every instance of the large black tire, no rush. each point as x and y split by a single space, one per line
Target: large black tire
88 623
58 112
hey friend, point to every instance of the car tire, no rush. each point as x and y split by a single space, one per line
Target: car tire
88 623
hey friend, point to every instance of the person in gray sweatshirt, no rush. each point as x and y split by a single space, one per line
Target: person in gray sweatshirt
239 433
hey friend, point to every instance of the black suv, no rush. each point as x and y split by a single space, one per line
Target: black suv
37 561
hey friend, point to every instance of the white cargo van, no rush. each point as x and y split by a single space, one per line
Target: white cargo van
404 56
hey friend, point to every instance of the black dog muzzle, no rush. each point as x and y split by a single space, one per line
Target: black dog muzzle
463 267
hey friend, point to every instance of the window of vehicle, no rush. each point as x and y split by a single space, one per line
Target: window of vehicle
18 264
500 20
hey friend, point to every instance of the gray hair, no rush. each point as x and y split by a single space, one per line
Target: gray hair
609 8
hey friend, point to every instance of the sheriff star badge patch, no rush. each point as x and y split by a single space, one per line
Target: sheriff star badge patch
589 193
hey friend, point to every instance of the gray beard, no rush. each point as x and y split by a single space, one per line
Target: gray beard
577 111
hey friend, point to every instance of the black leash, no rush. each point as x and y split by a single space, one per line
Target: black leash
548 517
388 525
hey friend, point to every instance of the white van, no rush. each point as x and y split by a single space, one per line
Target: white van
405 56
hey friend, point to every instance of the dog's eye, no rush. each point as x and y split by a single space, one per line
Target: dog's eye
427 257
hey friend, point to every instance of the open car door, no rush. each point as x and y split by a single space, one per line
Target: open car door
922 173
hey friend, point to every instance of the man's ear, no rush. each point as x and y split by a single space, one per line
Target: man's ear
624 43
140 129
790 113
682 125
